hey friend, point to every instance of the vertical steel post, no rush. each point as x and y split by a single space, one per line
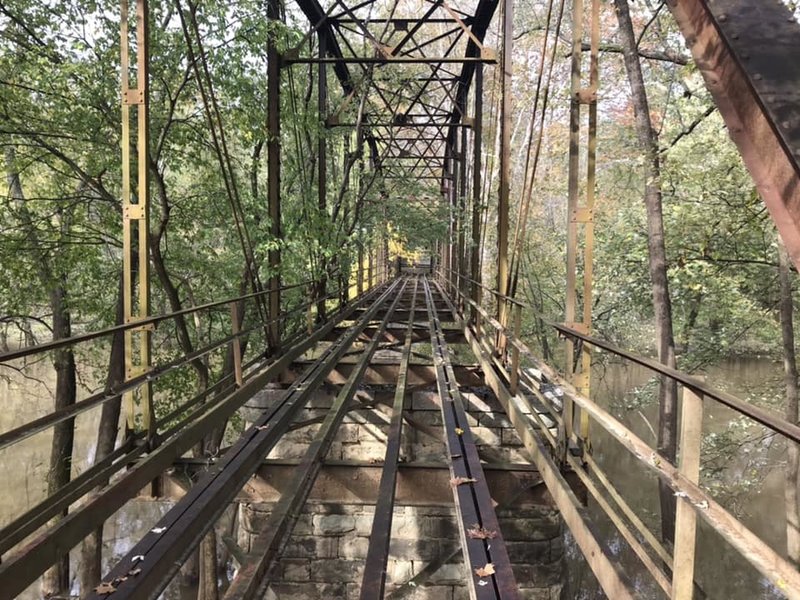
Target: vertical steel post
517 330
477 200
236 344
135 215
580 212
462 219
274 177
686 516
360 272
506 65
322 170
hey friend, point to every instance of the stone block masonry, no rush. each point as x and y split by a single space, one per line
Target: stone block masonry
325 555
324 558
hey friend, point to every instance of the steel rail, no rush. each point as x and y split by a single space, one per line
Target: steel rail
24 565
253 575
37 425
758 414
470 491
91 335
373 583
769 563
167 546
611 578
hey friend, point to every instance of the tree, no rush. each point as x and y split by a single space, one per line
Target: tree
648 141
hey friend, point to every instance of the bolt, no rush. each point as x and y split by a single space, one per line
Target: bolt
723 17
785 124
758 77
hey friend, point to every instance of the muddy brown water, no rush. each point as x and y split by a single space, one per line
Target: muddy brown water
722 573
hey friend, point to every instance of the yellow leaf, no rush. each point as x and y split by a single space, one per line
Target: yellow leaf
476 532
486 571
456 481
105 588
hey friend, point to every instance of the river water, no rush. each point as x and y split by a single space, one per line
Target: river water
751 484
748 482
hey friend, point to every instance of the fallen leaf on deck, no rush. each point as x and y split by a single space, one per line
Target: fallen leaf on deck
455 456
456 481
137 558
158 529
476 532
459 431
134 572
486 571
105 588
483 582
262 427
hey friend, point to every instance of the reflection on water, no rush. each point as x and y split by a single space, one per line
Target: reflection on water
751 483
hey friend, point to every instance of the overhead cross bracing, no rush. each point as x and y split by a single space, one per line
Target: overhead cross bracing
406 73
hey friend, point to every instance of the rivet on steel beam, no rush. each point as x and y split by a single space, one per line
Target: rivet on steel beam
723 17
758 77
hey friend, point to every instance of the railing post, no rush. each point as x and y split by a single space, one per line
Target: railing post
514 379
360 275
691 436
274 176
135 215
236 344
505 158
580 213
322 167
477 142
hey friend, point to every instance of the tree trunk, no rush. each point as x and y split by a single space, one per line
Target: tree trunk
648 140
790 380
92 549
56 579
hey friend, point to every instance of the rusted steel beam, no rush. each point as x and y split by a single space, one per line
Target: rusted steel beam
254 572
377 60
747 52
274 174
484 551
374 581
348 482
503 197
477 187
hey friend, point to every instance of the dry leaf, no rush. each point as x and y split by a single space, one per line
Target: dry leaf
456 481
455 456
134 572
105 588
137 558
158 529
485 571
262 427
459 431
476 532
